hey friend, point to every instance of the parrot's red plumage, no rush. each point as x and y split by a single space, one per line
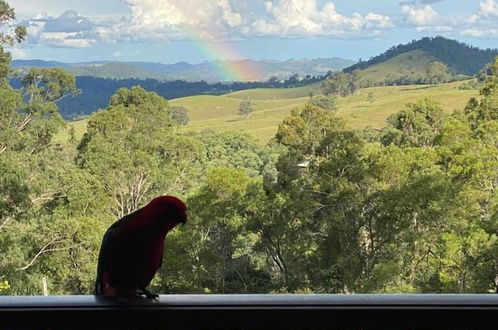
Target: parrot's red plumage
132 248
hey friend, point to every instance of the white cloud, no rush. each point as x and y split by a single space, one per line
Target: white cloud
474 18
68 30
480 24
215 20
424 2
294 18
230 17
419 16
488 8
440 29
377 21
148 20
169 18
479 33
66 39
18 53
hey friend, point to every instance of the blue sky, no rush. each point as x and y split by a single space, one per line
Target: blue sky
169 31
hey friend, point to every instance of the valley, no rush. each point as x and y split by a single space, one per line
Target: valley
271 106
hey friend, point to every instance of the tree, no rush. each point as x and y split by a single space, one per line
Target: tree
485 109
30 126
437 73
39 189
131 148
237 150
7 15
245 107
416 126
342 84
485 72
355 81
324 102
337 84
371 97
179 115
221 250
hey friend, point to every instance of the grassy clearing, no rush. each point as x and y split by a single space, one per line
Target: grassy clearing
271 107
220 113
79 129
360 113
356 109
277 93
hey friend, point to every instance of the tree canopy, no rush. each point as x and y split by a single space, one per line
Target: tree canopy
323 208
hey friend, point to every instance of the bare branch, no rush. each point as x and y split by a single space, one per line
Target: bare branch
46 249
24 122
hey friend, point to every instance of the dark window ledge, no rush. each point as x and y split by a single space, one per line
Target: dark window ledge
418 311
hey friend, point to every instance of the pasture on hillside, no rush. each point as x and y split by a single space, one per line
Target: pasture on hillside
271 106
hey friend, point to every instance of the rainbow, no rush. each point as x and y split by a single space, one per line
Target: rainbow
226 59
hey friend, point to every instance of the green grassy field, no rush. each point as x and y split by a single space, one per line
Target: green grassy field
356 109
277 93
273 105
360 113
79 129
407 64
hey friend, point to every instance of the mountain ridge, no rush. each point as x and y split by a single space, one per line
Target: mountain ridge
208 71
458 56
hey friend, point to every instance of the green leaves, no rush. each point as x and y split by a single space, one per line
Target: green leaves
7 15
485 109
437 73
417 125
245 107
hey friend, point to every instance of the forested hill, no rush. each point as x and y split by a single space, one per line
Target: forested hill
460 57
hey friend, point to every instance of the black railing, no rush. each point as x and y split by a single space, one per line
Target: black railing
252 312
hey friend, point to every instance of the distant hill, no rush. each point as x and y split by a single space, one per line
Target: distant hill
114 71
38 64
212 71
411 64
459 57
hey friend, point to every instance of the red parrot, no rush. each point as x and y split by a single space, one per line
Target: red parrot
132 248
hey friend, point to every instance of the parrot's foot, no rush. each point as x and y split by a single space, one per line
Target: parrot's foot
148 294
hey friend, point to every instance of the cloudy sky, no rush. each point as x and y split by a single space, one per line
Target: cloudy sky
197 30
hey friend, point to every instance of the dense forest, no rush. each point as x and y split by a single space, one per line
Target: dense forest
322 208
458 56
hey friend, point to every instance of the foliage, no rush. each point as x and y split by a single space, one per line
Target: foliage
179 115
7 15
4 286
471 85
371 97
416 126
437 73
324 102
322 208
245 107
486 109
342 84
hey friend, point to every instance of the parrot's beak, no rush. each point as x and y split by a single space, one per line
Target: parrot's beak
183 218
